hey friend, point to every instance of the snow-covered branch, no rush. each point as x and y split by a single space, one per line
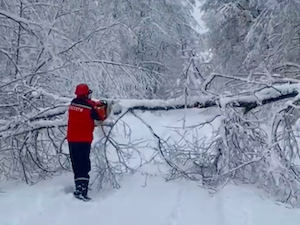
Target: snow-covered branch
248 101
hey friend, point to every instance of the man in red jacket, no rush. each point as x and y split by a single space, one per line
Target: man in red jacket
82 113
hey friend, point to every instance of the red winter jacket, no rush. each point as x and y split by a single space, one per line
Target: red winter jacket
82 113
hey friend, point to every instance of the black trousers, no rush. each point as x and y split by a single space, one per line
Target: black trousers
81 164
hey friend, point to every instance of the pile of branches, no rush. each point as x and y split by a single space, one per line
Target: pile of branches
32 135
256 142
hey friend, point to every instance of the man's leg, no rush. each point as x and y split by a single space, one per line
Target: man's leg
74 149
80 157
85 168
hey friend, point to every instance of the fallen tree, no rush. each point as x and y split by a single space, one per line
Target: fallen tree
31 144
247 101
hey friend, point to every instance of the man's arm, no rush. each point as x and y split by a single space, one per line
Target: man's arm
99 111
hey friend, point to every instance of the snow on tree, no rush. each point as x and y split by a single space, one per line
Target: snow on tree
253 36
121 50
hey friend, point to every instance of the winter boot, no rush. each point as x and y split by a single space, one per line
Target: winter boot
81 190
78 189
85 188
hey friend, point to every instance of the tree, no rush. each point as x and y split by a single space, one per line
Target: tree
255 36
46 48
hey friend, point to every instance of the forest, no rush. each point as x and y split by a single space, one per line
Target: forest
148 55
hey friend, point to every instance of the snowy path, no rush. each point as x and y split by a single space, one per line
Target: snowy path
159 203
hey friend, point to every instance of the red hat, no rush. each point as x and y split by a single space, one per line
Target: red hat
82 89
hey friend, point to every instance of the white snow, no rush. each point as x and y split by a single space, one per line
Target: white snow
143 200
159 203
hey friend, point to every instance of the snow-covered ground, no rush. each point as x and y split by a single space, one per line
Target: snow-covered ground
142 200
158 203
